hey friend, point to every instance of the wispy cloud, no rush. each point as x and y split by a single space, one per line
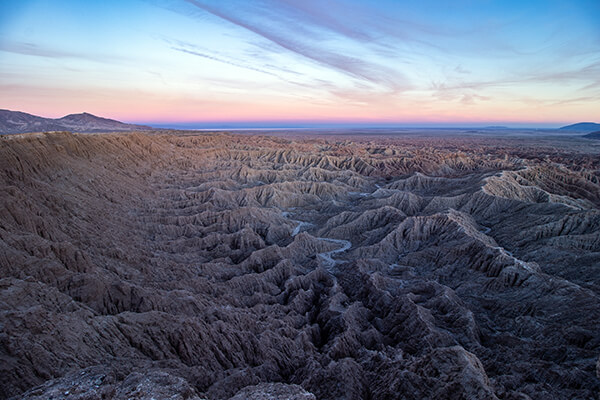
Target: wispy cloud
586 73
466 95
280 73
375 50
307 47
32 49
585 78
459 69
189 49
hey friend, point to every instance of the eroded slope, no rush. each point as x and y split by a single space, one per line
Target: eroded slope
207 265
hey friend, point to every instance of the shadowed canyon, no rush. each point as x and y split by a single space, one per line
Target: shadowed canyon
222 266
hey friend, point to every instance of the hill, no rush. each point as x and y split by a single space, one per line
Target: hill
20 122
593 135
582 127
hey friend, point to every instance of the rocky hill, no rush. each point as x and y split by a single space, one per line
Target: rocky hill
19 122
244 267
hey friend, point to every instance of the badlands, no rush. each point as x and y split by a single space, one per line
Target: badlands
227 266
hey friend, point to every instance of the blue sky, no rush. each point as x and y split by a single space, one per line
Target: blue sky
385 62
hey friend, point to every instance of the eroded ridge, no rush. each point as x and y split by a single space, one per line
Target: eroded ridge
226 266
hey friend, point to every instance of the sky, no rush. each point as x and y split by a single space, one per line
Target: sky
304 62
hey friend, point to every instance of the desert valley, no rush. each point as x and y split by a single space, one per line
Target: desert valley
190 265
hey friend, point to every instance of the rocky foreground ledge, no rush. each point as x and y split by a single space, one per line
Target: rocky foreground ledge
216 266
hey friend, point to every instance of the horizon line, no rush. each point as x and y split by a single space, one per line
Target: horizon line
321 124
345 125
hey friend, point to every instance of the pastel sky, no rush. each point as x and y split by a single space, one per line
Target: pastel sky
426 62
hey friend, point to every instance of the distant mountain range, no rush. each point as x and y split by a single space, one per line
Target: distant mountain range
582 127
20 122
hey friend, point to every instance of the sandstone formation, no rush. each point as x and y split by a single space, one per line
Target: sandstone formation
218 266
